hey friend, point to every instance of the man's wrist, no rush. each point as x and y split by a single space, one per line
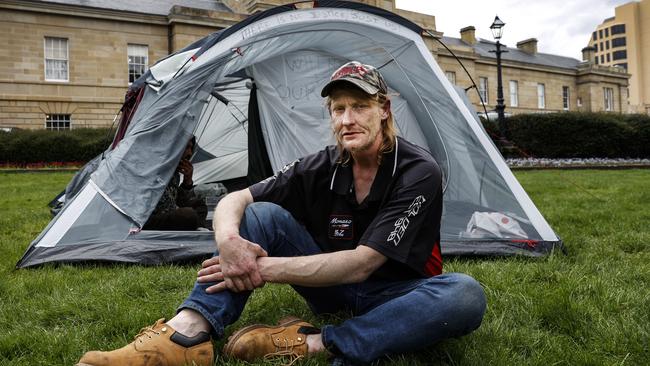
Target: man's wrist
265 269
226 237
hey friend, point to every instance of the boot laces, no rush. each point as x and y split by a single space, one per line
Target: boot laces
287 349
146 331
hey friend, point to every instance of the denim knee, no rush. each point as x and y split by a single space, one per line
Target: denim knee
265 210
469 299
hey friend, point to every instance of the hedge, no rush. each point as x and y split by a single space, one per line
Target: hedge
21 147
553 135
577 135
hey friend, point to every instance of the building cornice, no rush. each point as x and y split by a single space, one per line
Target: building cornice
83 11
527 66
203 17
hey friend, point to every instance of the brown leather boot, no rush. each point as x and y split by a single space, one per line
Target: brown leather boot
287 339
158 345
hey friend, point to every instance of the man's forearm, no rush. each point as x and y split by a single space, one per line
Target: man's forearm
228 214
327 269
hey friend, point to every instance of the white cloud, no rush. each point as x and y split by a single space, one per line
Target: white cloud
562 27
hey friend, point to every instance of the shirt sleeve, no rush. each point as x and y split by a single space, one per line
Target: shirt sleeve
288 187
408 224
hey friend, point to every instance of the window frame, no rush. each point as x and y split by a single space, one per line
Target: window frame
483 89
608 99
566 97
129 55
619 55
67 58
617 29
451 74
49 119
514 97
619 42
541 97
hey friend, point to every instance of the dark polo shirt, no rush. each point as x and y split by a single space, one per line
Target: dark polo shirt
399 218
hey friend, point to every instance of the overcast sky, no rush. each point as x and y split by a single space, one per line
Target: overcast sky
562 27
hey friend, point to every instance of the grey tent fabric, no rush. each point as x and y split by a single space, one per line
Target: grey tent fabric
289 55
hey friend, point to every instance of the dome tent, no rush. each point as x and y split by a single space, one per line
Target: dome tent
250 94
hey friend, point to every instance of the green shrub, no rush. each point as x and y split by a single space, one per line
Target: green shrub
491 126
581 135
639 142
41 146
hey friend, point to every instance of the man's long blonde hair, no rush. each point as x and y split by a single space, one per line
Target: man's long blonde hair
388 129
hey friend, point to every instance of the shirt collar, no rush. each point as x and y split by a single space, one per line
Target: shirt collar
342 179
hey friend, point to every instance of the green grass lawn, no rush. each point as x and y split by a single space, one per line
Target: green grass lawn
590 307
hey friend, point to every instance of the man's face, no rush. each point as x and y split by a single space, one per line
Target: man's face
356 119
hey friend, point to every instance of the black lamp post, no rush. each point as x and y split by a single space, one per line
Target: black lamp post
497 32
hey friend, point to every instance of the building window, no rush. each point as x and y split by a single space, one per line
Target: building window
602 59
618 29
607 44
514 93
57 122
623 65
608 59
579 102
56 59
596 47
565 98
606 32
594 36
451 76
541 97
602 48
596 60
609 98
619 55
138 61
600 33
483 89
618 42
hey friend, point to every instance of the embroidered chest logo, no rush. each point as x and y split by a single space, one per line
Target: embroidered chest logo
403 222
341 227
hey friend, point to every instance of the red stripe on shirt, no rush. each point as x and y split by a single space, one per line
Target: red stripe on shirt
433 266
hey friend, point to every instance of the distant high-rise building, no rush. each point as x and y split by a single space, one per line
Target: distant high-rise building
624 41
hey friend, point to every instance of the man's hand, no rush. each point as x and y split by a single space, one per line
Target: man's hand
185 167
235 266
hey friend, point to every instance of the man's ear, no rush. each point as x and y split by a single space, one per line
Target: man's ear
385 109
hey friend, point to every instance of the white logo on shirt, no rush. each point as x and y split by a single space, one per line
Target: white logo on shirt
403 222
288 166
281 171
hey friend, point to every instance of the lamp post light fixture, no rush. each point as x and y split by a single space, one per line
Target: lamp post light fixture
497 32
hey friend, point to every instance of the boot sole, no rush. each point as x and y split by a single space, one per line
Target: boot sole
284 322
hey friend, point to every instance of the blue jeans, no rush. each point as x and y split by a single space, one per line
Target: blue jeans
389 316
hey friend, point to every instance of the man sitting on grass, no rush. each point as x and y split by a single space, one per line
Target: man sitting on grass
354 227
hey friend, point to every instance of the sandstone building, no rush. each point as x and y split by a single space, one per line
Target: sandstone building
67 63
624 41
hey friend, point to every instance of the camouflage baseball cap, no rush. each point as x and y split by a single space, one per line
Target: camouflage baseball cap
365 77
